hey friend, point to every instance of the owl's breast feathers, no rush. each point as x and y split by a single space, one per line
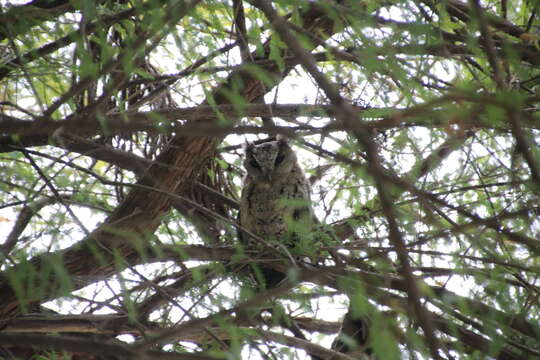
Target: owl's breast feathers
267 209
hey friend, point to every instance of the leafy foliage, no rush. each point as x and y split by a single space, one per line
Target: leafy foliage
121 133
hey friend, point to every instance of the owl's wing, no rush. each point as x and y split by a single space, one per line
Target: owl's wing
263 276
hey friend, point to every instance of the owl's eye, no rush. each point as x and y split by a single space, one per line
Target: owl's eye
254 164
279 159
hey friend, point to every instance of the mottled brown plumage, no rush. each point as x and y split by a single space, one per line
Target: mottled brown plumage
275 196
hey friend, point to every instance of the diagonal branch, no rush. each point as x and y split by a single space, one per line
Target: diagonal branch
138 216
351 120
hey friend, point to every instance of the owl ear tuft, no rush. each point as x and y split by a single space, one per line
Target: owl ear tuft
248 146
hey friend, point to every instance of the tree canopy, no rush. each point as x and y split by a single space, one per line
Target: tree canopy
122 126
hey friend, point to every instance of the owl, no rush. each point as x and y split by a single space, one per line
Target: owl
275 203
354 337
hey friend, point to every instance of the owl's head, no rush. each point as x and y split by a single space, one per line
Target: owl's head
269 160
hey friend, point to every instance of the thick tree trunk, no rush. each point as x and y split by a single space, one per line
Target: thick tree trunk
138 216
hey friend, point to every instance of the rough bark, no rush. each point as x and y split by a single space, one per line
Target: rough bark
138 216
